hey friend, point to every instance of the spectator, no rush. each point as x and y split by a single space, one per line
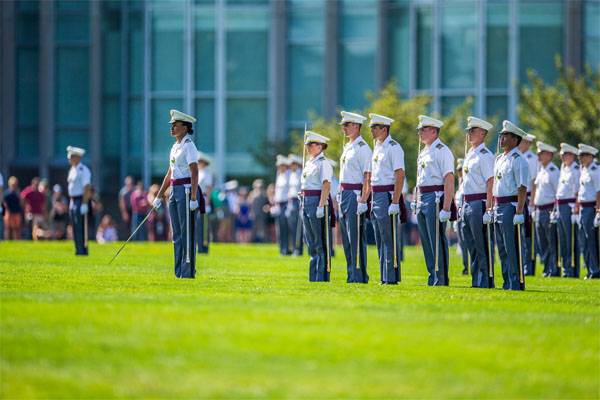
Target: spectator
14 210
139 209
259 209
107 231
59 214
1 207
158 222
125 204
35 207
243 222
271 233
228 224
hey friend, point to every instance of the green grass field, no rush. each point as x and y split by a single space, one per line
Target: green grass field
251 325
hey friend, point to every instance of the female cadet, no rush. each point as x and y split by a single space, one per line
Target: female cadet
317 207
183 200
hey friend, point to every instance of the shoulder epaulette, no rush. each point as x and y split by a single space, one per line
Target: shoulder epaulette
361 143
188 140
321 158
515 155
552 168
483 151
593 168
439 146
529 155
393 143
577 167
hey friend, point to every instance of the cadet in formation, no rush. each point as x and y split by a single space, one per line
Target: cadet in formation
530 242
186 196
205 181
588 208
478 182
566 196
355 176
388 210
458 224
317 208
281 202
545 214
434 204
511 174
293 206
79 185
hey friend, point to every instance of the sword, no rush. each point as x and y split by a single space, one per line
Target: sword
490 260
519 255
358 230
85 229
132 235
327 249
437 232
187 224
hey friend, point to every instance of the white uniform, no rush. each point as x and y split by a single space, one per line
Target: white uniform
568 183
205 179
294 183
79 177
355 161
478 168
388 157
533 165
546 183
511 172
182 155
434 163
589 183
316 171
282 187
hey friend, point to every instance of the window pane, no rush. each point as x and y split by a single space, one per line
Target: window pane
111 127
71 5
73 27
160 138
27 28
27 84
204 44
497 107
70 137
246 124
247 49
497 46
306 21
359 19
459 46
27 143
72 95
305 81
591 52
111 50
399 53
135 138
450 102
135 45
540 20
167 50
424 46
205 128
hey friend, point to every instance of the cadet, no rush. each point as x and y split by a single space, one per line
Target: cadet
458 224
544 195
478 182
588 199
293 206
185 197
281 201
530 242
205 180
355 176
317 207
511 174
566 196
80 192
435 199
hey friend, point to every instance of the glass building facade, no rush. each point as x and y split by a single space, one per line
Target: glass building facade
103 74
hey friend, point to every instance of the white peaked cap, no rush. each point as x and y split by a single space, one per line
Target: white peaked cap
529 137
508 126
425 120
585 148
352 117
281 160
377 119
179 116
314 137
541 146
231 185
567 148
473 122
292 158
75 151
203 157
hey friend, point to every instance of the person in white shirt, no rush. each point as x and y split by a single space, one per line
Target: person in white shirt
511 175
588 208
434 205
80 192
278 211
530 241
293 206
206 182
544 198
458 225
355 176
186 196
317 208
566 197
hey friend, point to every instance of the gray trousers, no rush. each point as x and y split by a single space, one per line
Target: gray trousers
282 229
349 229
476 243
295 226
426 217
202 233
382 225
567 233
547 240
506 238
78 225
315 240
460 242
589 236
182 245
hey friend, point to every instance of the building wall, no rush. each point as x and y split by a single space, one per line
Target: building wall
104 74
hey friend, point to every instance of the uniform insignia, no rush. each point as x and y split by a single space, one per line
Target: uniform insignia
515 155
344 159
361 143
466 170
577 167
499 176
483 151
552 169
80 168
393 143
593 168
173 160
376 159
439 146
188 140
529 156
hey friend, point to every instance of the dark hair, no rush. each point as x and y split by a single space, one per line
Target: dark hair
188 125
519 138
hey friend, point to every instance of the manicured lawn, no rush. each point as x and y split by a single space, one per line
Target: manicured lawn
251 325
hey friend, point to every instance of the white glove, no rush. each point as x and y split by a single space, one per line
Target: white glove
84 209
535 216
554 217
193 205
518 219
488 217
320 212
156 203
275 211
413 207
531 209
444 215
455 226
597 220
361 208
393 209
72 206
288 211
575 219
208 209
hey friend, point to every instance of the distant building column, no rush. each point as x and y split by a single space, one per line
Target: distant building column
96 92
277 70
46 88
573 38
382 52
7 86
330 84
220 91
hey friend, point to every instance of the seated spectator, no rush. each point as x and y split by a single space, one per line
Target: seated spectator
13 210
107 230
